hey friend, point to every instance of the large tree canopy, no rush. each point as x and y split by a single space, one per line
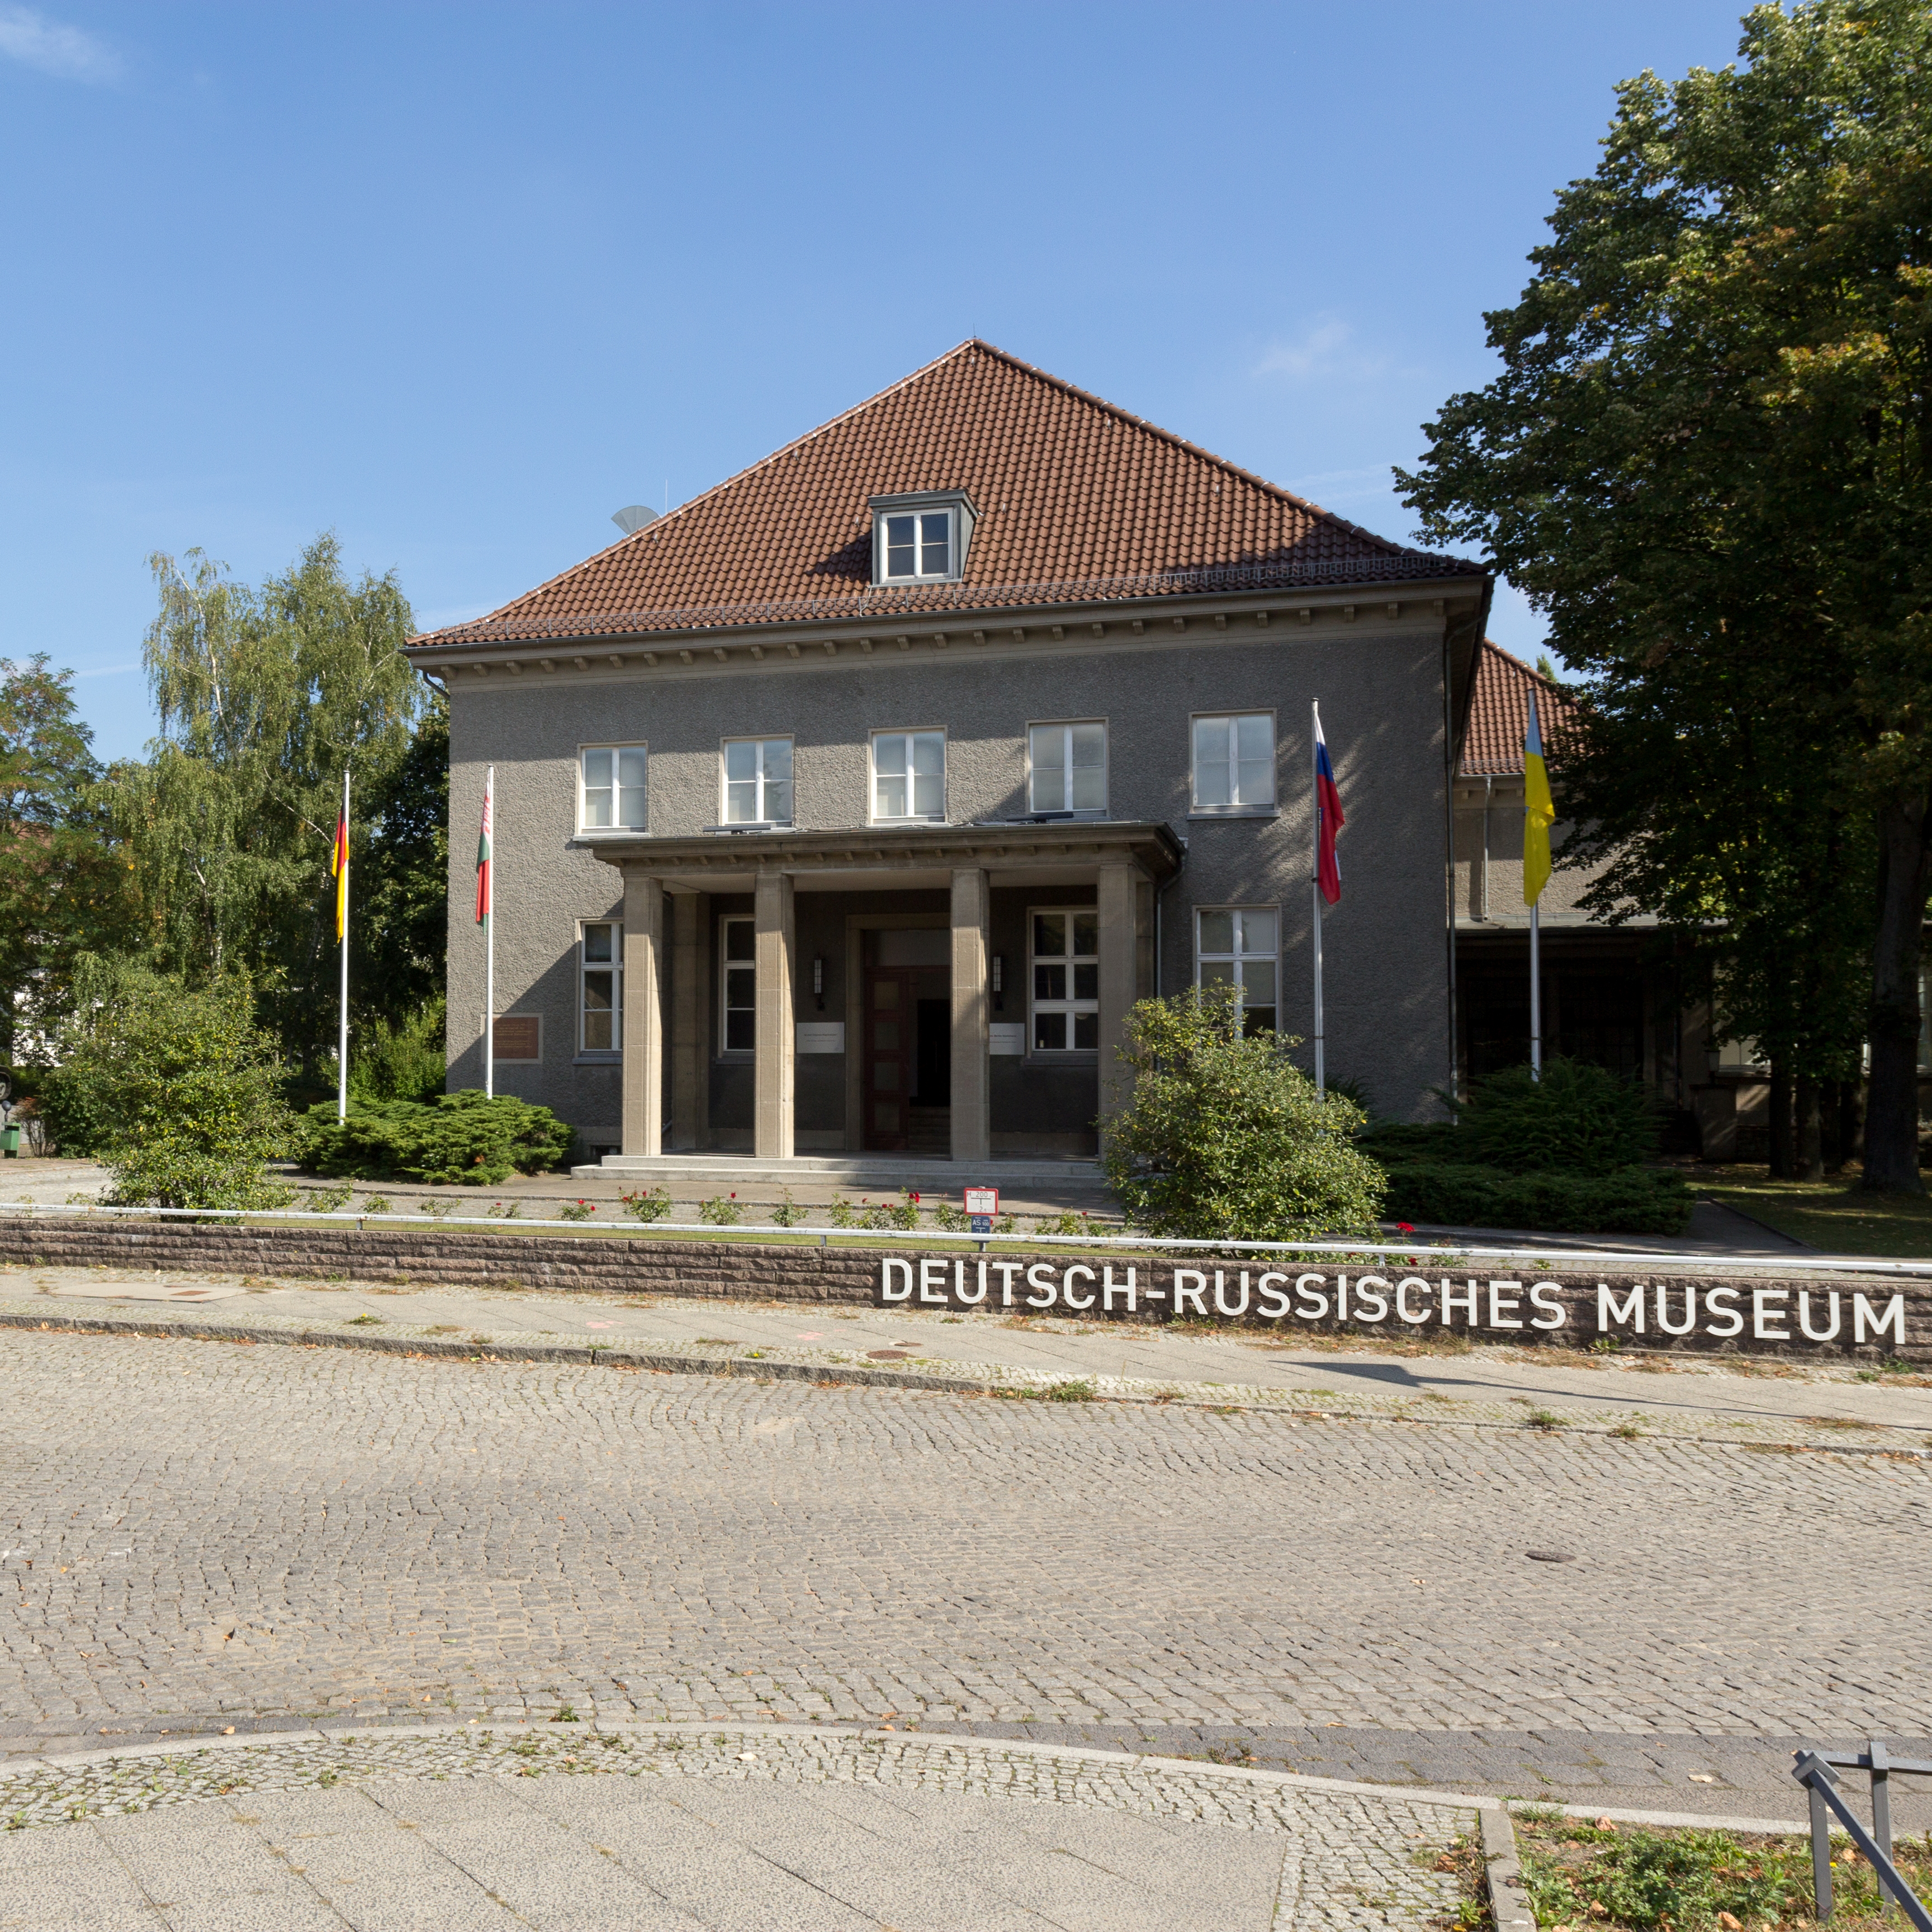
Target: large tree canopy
266 696
1707 457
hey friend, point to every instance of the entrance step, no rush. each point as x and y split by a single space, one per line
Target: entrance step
854 1170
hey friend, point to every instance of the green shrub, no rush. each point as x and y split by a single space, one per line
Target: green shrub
1577 1119
1224 1137
1631 1201
178 1092
902 1213
721 1211
647 1204
1390 1142
458 1137
399 1062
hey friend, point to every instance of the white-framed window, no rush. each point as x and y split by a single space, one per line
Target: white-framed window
1065 964
1066 768
1233 762
1242 943
921 536
919 544
757 780
600 987
610 788
738 983
909 775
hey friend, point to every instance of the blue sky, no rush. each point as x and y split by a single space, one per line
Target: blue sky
456 281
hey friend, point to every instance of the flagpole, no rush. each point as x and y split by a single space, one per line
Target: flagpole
490 945
1315 888
1535 993
342 1034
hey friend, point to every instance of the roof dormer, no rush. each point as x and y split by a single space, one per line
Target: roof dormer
921 536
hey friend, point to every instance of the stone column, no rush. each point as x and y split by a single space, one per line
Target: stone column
777 1040
1115 899
690 1020
971 1070
644 1029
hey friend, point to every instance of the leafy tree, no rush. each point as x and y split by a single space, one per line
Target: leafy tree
178 1092
1223 1136
1708 457
401 916
62 884
264 695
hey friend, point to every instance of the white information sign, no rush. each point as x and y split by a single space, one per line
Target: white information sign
983 1200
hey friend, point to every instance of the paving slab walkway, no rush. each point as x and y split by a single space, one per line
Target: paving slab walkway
681 1827
1746 1400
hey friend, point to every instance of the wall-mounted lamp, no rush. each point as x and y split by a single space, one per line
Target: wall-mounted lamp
999 981
818 980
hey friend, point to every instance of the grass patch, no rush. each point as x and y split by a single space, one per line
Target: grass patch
1837 1215
1584 1877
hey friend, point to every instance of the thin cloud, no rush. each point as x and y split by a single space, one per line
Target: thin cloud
107 670
1319 350
68 52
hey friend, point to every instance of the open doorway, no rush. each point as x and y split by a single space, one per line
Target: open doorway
907 1054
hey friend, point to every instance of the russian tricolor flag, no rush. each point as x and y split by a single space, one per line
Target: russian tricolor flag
1328 819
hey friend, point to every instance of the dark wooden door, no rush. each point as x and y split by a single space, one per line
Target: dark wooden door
892 1045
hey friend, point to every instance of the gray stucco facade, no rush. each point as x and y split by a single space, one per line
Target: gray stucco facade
821 894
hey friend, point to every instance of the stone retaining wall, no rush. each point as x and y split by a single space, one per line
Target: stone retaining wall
1819 1317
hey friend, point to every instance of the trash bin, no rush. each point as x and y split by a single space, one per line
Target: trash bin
10 1141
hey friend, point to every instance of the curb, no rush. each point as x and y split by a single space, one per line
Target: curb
1510 1908
765 1369
1487 1806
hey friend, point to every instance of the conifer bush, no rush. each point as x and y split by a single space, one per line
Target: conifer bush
464 1138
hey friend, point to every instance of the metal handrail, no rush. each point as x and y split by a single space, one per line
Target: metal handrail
1418 1253
1813 1771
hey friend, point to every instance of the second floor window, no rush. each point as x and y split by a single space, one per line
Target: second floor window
1067 768
738 1028
600 988
757 781
1233 762
909 775
611 794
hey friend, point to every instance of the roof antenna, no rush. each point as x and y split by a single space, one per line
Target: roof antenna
633 516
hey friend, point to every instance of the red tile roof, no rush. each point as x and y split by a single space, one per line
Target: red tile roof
1076 500
1499 715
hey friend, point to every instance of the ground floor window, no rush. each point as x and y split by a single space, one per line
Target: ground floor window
1066 981
600 1004
1241 944
739 995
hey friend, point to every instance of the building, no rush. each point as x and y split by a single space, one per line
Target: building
849 806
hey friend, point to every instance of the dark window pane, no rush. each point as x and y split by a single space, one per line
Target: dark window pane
1049 934
1049 1031
741 940
1087 1030
1049 982
1258 1019
1086 933
739 1032
1086 982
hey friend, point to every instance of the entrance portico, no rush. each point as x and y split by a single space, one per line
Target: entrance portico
688 993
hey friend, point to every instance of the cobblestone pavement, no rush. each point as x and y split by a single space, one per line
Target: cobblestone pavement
573 1827
1744 1399
197 1535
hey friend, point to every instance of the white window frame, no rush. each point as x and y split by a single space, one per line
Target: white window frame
1241 957
1241 808
1066 808
614 966
907 733
921 521
1075 1008
955 505
727 967
585 828
759 780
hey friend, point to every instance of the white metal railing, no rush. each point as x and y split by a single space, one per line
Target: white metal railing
1417 1252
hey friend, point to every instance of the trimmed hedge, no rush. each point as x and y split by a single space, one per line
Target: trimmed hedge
1626 1200
463 1137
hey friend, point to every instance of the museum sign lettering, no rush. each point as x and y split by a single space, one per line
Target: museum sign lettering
1714 1311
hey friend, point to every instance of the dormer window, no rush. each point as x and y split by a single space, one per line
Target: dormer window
921 537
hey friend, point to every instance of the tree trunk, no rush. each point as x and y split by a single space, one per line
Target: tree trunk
1781 1118
1830 1117
1810 1129
1848 1122
1892 1096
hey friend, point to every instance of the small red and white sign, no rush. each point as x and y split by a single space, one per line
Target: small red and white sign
983 1200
